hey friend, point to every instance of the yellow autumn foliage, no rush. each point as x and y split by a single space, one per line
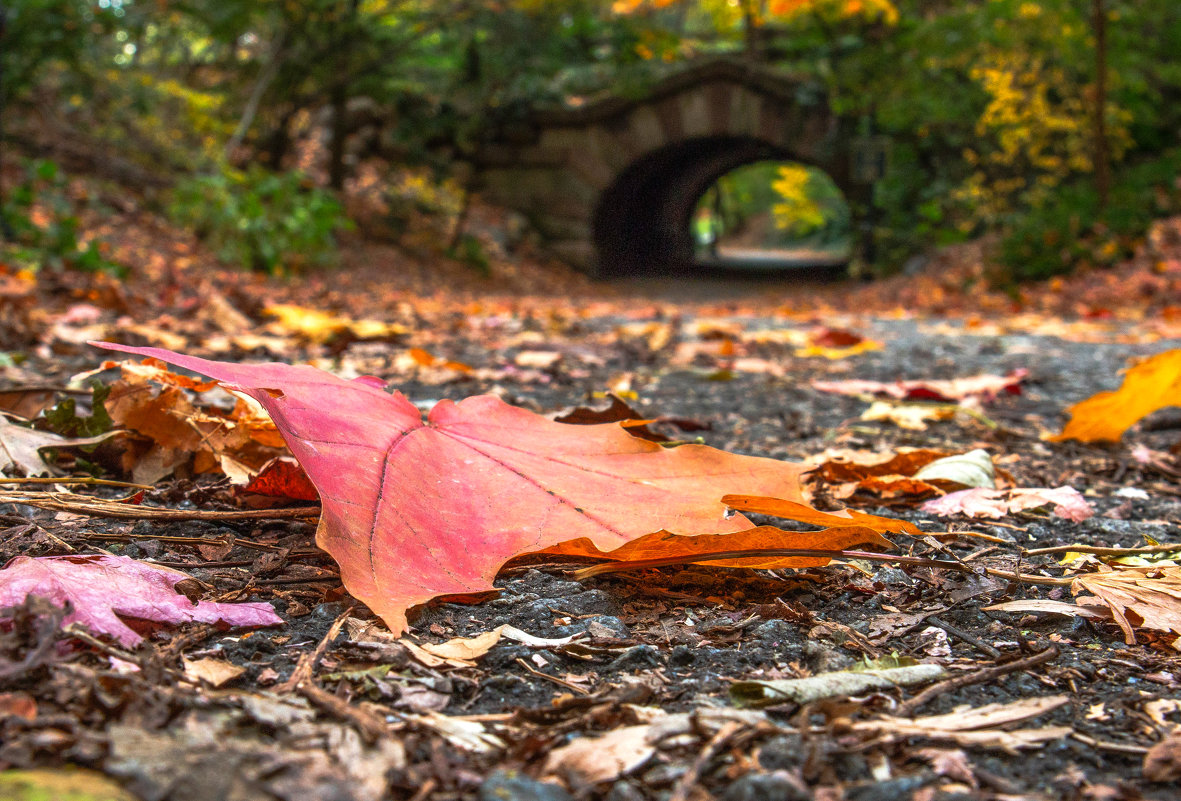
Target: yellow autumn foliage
1151 385
831 11
1035 131
797 210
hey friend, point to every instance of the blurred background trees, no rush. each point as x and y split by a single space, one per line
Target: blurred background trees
991 108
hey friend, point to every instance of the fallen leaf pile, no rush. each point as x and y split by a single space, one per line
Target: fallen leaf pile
904 476
414 509
170 431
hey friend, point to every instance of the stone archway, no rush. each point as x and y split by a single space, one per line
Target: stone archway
610 186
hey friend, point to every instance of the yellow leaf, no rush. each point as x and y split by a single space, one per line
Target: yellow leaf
61 784
1150 385
321 327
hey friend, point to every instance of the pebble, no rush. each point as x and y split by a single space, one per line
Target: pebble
511 786
607 626
822 658
890 790
777 786
784 752
639 657
623 791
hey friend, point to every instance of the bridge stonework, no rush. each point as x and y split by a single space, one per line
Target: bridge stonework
610 186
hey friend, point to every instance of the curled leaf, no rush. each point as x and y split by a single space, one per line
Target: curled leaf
1139 597
1153 384
414 509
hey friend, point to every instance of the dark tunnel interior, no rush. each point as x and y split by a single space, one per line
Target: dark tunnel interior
642 223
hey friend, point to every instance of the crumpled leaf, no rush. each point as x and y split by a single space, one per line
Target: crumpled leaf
1162 763
845 529
988 726
664 547
413 510
20 448
1153 384
911 416
587 761
979 388
835 344
971 469
1067 502
102 589
282 477
1139 597
214 672
767 692
890 477
171 430
792 510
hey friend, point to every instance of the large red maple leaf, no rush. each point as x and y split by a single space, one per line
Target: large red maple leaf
414 509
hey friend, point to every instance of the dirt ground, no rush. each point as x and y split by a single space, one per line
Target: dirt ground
640 703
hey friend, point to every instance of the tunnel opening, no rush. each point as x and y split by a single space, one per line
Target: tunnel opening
643 224
773 215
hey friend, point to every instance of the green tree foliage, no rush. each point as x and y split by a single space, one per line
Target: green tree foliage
268 222
990 105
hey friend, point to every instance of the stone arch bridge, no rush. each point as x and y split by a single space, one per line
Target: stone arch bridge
611 186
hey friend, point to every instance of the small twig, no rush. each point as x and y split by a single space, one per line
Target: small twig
279 582
307 662
978 554
711 749
908 708
1119 748
47 628
425 790
127 535
974 535
574 688
1164 547
103 507
46 388
372 726
87 480
979 417
959 633
76 631
998 524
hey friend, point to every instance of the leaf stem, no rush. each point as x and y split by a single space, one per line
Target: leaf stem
943 564
1164 547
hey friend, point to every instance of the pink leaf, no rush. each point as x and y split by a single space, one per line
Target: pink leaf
102 589
982 388
416 509
990 503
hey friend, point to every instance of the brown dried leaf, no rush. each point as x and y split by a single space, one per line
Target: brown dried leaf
20 448
1139 597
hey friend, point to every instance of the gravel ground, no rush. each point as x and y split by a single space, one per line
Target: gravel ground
661 647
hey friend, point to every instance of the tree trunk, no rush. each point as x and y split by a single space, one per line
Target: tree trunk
339 98
1102 165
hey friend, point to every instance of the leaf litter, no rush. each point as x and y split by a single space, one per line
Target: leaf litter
685 628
